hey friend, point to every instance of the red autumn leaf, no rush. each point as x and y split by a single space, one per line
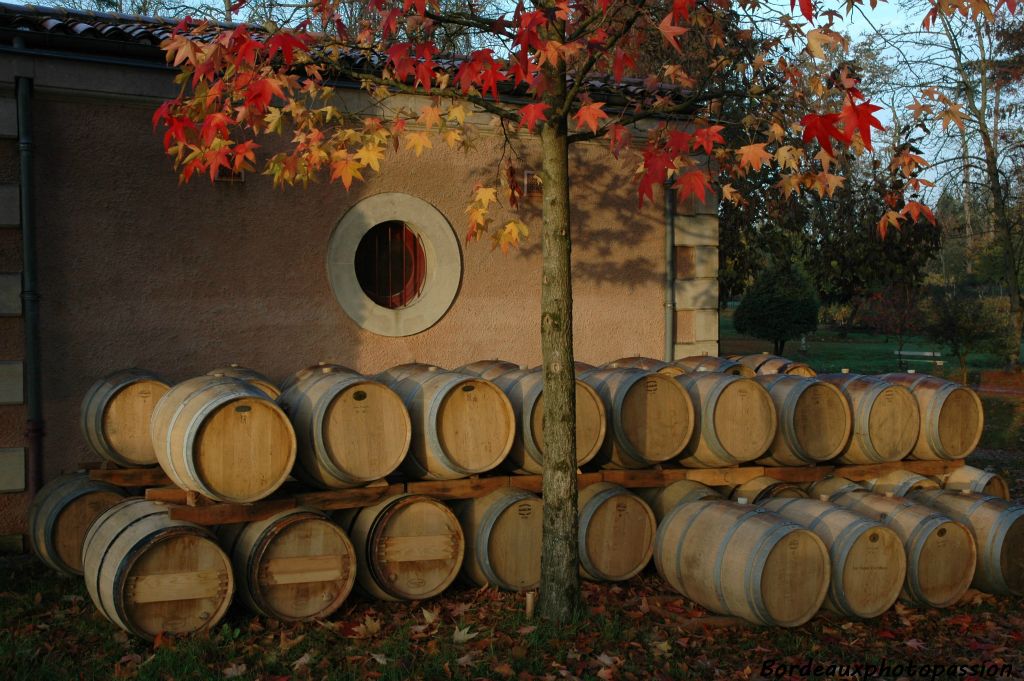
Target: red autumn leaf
214 125
286 42
706 138
670 32
916 210
806 8
693 184
590 116
656 165
822 127
861 117
259 93
245 156
216 159
176 128
621 62
531 114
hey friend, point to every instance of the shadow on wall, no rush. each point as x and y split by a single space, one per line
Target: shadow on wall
610 236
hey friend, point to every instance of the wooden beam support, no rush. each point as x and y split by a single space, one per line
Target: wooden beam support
131 477
202 511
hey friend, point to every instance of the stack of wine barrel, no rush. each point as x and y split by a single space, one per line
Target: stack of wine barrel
768 550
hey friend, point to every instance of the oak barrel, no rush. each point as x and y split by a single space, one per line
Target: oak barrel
149 574
741 560
295 565
952 417
646 364
998 529
525 390
976 480
814 420
616 532
115 416
869 564
761 488
899 483
769 365
736 420
461 425
61 514
712 364
941 553
223 438
350 430
250 376
664 499
312 370
488 369
408 546
650 416
886 419
503 539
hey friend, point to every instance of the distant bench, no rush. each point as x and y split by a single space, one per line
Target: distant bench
920 356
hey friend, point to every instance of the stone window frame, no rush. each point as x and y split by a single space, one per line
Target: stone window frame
442 256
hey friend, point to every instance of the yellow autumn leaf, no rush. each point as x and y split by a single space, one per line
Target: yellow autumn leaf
371 155
430 117
452 137
457 114
418 141
788 157
485 196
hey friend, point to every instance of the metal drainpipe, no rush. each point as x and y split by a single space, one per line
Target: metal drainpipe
29 294
670 272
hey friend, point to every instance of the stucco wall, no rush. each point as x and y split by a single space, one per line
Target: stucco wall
136 270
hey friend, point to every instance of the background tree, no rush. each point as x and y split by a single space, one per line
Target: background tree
958 75
781 305
564 70
964 323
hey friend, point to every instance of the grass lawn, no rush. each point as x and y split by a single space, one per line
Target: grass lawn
639 629
860 352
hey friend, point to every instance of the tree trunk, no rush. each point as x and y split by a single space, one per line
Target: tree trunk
1004 228
777 347
560 576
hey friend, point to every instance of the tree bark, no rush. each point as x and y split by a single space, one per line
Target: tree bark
560 577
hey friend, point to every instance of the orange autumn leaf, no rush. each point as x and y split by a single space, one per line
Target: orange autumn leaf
753 156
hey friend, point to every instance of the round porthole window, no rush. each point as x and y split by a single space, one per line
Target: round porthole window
394 264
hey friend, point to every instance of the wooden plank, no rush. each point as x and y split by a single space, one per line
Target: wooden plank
635 478
176 495
799 473
420 548
725 476
132 477
178 586
302 569
468 488
933 467
333 500
530 483
224 514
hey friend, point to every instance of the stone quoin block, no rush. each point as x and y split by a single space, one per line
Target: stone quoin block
8 117
10 206
10 294
696 262
698 230
12 470
691 349
696 326
697 294
12 383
